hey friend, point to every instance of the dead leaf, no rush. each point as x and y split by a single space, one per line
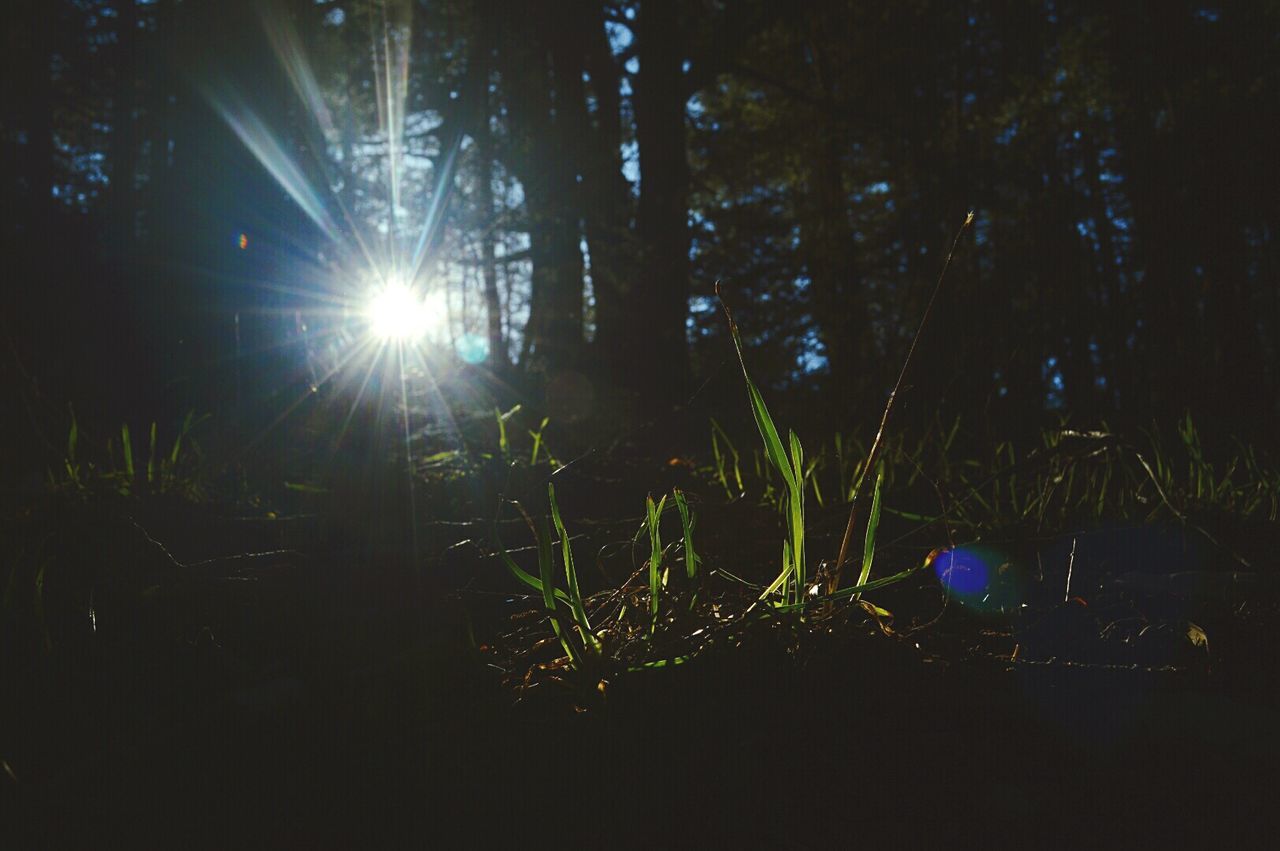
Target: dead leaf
1196 635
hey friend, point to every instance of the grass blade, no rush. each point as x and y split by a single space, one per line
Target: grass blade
73 437
128 455
151 456
546 570
795 520
874 454
521 575
774 450
873 523
537 442
503 445
717 429
690 557
571 576
653 517
791 468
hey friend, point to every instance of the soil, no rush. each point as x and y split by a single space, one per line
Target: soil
269 682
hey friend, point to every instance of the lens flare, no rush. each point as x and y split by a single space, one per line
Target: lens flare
378 331
981 579
472 348
397 314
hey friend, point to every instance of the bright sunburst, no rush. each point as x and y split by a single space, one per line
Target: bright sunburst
376 261
397 313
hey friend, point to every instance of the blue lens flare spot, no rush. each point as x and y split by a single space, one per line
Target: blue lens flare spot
980 578
963 571
472 348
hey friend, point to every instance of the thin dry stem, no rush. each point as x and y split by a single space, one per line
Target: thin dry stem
833 583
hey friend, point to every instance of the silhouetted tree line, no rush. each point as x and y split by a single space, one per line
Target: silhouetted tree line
612 160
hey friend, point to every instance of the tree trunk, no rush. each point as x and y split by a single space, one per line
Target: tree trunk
541 159
39 121
121 202
607 206
1116 321
498 358
840 308
658 345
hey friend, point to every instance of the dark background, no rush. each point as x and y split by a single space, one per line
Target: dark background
196 195
598 166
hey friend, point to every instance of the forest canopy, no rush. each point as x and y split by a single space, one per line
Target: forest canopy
564 183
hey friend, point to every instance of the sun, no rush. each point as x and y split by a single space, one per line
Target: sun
397 313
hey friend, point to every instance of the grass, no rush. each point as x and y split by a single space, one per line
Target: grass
687 520
664 615
657 580
725 454
791 589
175 470
586 646
789 584
680 619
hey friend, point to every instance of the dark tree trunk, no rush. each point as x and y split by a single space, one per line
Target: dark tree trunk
499 361
658 344
1116 321
39 122
1239 388
607 205
840 307
1171 337
122 203
542 160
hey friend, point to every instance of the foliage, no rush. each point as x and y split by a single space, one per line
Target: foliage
723 456
173 471
687 521
1095 288
585 646
657 579
790 582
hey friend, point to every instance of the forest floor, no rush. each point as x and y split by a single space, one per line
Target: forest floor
202 674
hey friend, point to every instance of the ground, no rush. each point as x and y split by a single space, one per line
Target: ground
205 674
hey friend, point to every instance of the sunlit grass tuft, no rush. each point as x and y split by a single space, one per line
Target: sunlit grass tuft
173 471
585 646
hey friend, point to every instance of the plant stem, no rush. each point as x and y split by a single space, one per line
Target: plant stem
834 582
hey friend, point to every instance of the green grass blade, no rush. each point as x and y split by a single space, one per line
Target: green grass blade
774 450
73 437
653 516
791 468
523 576
719 434
546 570
856 590
188 423
873 523
690 556
811 476
719 458
151 456
503 445
795 520
779 583
686 524
69 462
537 441
128 451
571 575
